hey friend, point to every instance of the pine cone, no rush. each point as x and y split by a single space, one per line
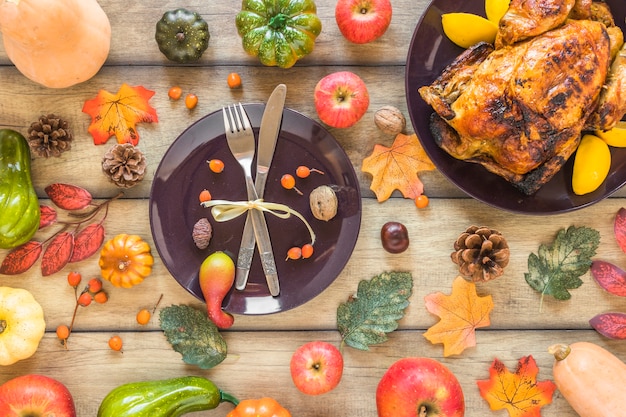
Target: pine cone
49 136
481 253
124 164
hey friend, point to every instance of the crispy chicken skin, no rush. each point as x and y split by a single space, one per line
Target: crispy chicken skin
519 109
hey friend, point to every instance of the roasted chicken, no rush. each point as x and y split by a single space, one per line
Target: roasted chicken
518 107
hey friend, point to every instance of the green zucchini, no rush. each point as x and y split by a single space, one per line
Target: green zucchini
19 205
163 398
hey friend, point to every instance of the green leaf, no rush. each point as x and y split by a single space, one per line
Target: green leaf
193 335
557 267
365 319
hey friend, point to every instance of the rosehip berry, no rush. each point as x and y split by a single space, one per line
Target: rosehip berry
84 299
234 80
101 297
74 278
294 253
95 285
175 93
289 183
303 172
205 195
307 251
421 201
115 343
63 332
143 317
216 165
191 101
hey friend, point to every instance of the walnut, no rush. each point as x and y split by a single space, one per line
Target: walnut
202 232
390 120
323 202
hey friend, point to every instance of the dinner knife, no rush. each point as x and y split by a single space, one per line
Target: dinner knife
268 134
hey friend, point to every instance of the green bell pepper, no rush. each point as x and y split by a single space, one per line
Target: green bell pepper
278 32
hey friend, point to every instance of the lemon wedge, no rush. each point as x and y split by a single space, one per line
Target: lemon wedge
495 9
614 137
467 29
591 164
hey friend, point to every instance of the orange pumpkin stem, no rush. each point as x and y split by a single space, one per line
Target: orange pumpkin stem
560 351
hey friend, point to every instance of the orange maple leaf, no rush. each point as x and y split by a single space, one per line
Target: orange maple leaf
396 168
518 392
461 313
118 114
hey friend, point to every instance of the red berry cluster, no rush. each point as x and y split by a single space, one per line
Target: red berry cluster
93 291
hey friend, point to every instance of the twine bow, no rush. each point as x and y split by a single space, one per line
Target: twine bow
225 210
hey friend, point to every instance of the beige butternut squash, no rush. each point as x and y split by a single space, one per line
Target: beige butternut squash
591 379
56 43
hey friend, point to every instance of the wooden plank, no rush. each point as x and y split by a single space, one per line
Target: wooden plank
258 365
133 29
432 235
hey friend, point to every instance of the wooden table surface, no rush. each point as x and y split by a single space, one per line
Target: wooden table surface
260 347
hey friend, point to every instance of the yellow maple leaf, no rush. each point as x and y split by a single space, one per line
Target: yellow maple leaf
117 114
519 393
396 168
461 313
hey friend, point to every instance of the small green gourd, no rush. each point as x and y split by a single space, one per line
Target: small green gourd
182 35
19 205
163 398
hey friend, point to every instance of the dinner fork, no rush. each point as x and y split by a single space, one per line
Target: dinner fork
240 139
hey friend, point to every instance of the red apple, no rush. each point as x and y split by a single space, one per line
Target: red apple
316 367
341 99
419 387
363 21
35 396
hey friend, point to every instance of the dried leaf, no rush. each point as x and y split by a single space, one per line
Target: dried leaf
68 197
619 228
366 318
57 253
48 216
519 393
396 168
461 313
21 258
609 277
193 335
611 325
558 266
87 242
118 114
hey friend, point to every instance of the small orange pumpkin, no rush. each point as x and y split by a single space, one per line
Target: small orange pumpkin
55 43
125 260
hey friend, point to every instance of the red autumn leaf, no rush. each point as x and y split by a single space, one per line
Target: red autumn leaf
48 216
619 228
68 197
611 325
118 114
21 258
87 242
610 277
519 393
57 253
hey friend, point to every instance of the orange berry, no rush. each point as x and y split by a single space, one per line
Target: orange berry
115 343
84 299
175 93
205 195
74 278
143 317
191 101
294 253
307 251
289 182
216 165
95 285
233 80
304 172
421 201
101 297
63 332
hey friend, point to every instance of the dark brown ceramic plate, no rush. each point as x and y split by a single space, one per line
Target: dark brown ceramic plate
429 53
183 173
